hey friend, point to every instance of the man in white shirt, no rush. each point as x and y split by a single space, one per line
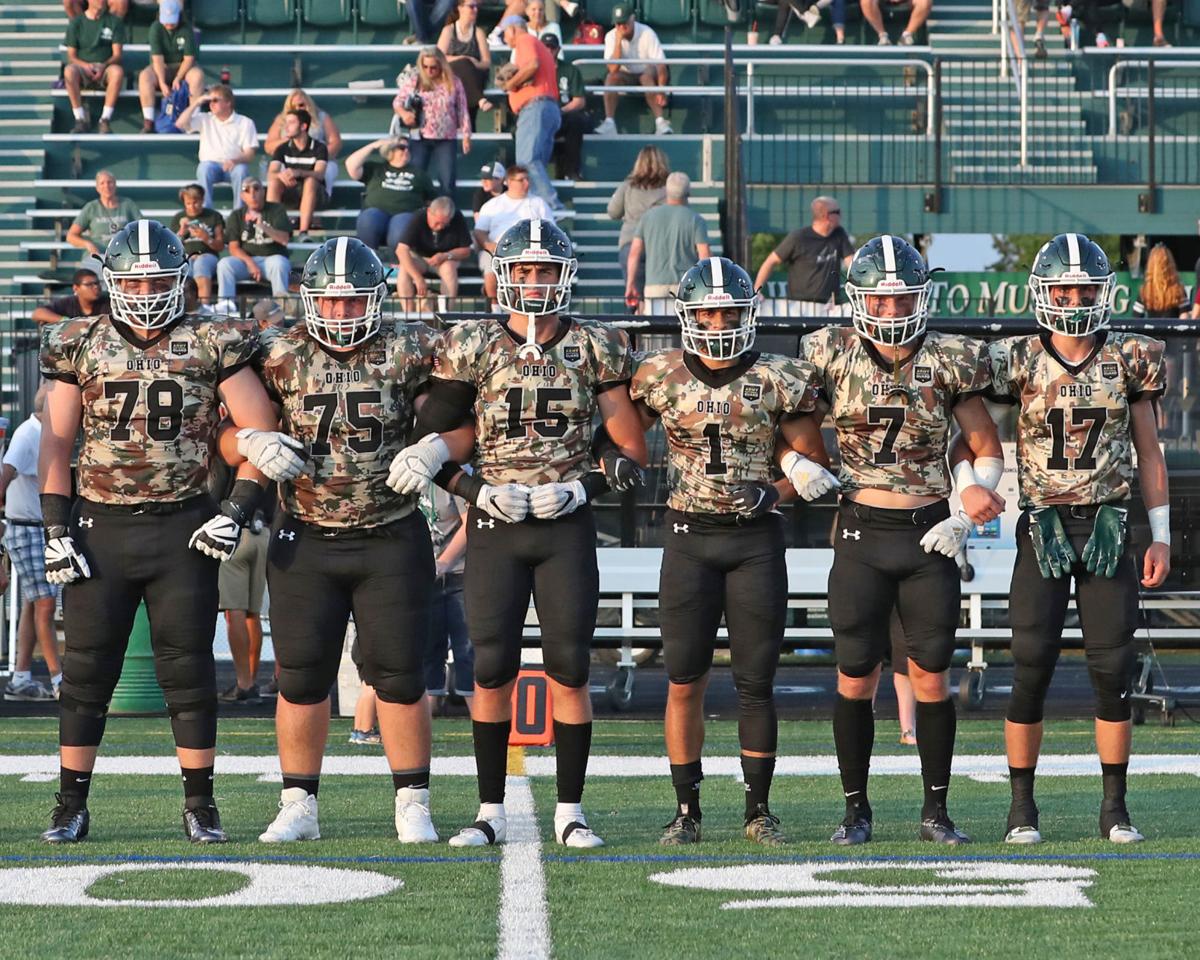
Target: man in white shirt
26 546
630 40
500 213
228 142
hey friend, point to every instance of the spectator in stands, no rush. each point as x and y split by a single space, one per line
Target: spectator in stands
630 40
519 8
427 18
433 244
228 142
1158 10
535 17
202 231
296 177
814 256
87 299
94 40
258 234
1162 295
100 220
872 13
466 48
445 515
394 191
533 97
322 128
173 52
500 213
645 187
572 102
491 184
1041 9
433 104
673 236
811 15
22 512
118 8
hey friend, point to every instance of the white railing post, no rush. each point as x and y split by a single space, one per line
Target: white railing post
750 99
1024 113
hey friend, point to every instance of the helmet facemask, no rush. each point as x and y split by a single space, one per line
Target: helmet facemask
548 298
725 343
346 332
147 311
1078 320
890 331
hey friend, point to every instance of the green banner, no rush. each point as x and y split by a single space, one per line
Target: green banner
983 294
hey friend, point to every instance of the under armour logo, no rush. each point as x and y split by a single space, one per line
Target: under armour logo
86 522
680 527
482 524
287 535
851 534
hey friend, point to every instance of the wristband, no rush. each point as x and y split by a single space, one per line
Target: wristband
56 513
468 487
242 501
964 476
988 471
1160 524
594 483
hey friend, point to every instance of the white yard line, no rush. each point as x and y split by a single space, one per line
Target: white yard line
524 918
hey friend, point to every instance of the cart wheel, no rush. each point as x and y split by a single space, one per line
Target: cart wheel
971 690
620 688
1139 714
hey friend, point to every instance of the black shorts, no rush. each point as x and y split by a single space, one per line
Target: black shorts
711 569
383 577
879 565
554 561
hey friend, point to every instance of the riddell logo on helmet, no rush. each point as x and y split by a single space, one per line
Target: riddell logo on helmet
890 285
1077 275
335 289
536 252
721 297
144 265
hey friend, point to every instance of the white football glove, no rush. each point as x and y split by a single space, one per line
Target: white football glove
277 455
550 500
947 537
810 479
64 562
218 538
507 501
414 467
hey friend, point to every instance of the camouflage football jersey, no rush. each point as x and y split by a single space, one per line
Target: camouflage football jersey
353 414
534 416
1074 443
150 411
892 430
720 424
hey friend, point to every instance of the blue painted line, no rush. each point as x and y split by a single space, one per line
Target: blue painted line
256 858
651 858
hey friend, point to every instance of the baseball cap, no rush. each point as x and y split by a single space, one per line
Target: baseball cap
170 11
552 34
492 171
512 20
622 13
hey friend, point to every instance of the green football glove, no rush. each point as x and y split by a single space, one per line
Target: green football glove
1103 551
1050 543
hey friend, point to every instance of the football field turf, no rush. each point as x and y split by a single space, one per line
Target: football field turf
135 888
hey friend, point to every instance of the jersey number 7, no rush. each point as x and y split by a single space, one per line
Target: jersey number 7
885 456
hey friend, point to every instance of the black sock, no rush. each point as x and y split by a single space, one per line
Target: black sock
309 785
1114 776
197 781
418 779
854 736
572 746
938 723
757 772
1020 780
74 783
685 778
491 758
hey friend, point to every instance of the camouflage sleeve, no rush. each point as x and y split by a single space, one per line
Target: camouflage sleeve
1003 386
419 350
61 344
237 347
1147 369
457 351
815 350
612 354
965 367
645 376
799 387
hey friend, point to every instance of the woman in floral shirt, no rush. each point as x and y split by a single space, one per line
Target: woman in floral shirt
443 116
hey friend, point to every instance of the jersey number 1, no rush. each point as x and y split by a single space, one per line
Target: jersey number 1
1057 418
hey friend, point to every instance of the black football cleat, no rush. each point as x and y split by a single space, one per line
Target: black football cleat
763 828
1022 827
202 822
69 821
682 830
941 829
1116 825
854 829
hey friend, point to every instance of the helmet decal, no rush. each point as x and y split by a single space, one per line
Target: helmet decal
145 251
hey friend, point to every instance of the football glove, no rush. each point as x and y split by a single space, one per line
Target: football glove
277 455
217 538
550 500
1102 553
947 537
507 501
414 467
811 480
1050 543
64 561
754 499
622 473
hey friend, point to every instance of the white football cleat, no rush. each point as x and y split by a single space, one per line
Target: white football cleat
413 822
490 827
296 820
1124 833
571 828
1023 835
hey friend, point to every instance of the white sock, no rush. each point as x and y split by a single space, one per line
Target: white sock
568 812
822 4
80 113
147 113
57 679
491 811
106 113
21 677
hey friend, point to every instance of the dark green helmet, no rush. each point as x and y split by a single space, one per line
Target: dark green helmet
538 241
716 283
144 269
888 267
1072 268
343 269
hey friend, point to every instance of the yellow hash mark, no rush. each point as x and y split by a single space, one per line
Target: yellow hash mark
516 761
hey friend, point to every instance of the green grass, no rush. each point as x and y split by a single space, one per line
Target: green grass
602 904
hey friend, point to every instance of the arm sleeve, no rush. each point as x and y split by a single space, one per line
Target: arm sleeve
1004 387
278 218
701 230
59 348
448 405
237 346
412 229
646 369
968 371
845 247
798 389
1147 371
157 46
613 356
83 220
786 251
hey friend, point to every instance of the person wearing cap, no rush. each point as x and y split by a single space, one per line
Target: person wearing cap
491 184
173 52
572 102
533 97
630 40
202 231
502 212
393 191
228 141
258 235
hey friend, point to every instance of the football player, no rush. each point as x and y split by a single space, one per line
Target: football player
894 391
1086 402
344 542
722 405
534 380
146 384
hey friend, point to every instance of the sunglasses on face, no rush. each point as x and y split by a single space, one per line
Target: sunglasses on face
89 283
